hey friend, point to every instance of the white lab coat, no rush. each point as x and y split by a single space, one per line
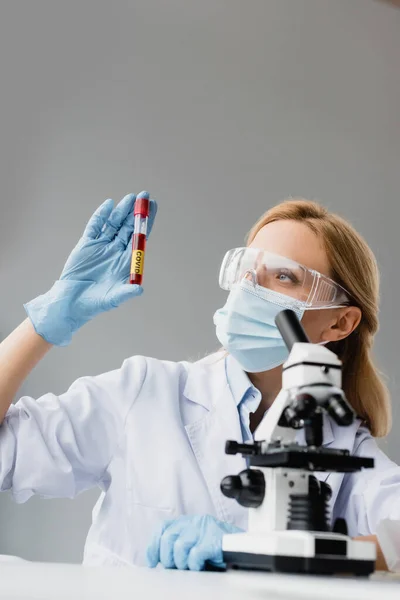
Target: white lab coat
152 434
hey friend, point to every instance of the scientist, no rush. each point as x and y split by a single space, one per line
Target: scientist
151 434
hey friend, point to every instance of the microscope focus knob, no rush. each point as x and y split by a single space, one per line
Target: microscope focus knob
248 488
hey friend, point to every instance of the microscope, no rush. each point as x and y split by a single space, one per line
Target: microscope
289 527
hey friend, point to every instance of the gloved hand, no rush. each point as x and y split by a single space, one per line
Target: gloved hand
188 542
94 279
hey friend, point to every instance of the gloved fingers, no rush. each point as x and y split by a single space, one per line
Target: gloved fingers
230 528
117 217
121 293
184 543
167 542
153 549
205 550
98 220
125 233
128 249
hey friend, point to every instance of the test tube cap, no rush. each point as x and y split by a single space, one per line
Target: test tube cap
142 205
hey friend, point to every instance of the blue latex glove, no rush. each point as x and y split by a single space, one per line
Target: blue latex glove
95 276
188 542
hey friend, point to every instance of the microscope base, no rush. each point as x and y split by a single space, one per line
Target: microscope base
299 552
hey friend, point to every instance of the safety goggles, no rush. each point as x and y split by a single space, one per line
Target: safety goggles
282 275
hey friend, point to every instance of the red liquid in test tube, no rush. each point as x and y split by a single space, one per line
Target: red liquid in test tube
141 213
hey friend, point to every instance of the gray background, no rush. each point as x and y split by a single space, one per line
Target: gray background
220 108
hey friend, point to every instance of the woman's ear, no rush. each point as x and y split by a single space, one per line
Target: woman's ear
345 322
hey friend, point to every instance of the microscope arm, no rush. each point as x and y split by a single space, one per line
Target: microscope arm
269 430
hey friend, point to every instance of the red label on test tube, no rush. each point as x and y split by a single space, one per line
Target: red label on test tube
141 212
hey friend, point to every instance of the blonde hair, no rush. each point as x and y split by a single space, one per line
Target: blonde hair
353 265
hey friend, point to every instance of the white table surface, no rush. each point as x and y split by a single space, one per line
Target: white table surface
45 581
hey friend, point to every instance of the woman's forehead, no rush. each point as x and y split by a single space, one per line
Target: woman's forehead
294 240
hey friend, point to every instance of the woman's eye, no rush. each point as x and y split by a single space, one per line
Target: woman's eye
286 277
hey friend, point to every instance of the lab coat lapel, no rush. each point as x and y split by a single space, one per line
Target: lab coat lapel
207 385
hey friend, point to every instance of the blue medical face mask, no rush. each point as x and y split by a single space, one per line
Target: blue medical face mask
246 328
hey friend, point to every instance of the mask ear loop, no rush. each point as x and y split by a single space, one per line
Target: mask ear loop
253 274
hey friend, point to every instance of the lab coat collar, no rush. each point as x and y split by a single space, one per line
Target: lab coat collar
210 372
227 371
220 371
238 380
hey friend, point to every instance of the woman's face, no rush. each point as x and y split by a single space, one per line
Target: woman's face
296 241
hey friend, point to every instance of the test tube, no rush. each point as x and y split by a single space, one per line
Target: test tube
141 214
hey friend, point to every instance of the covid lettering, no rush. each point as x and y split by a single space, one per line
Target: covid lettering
137 262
